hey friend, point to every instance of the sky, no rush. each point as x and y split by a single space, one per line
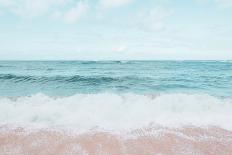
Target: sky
115 29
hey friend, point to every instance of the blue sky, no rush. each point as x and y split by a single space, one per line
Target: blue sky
115 29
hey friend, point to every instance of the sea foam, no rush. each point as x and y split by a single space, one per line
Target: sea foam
117 111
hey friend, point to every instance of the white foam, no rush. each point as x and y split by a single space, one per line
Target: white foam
114 111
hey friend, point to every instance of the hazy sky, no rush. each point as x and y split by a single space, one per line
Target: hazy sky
115 29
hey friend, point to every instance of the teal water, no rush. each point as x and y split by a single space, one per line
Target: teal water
66 78
116 95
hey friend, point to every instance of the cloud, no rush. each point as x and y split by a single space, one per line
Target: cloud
220 3
30 8
224 3
120 48
75 13
113 3
153 19
69 10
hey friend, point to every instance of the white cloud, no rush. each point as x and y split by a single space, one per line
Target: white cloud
69 10
220 3
154 19
30 8
120 48
114 3
224 3
75 13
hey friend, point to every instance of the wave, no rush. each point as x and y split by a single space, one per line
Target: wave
117 111
5 66
106 62
74 78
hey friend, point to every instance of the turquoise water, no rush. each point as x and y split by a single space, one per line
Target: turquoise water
66 78
116 95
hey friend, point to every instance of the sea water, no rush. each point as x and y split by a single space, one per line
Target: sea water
116 94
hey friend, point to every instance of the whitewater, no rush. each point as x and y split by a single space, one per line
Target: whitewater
117 112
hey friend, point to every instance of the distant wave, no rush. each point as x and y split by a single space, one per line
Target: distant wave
114 111
102 62
78 78
74 78
4 66
91 80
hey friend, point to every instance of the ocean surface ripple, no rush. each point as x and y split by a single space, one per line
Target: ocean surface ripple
67 78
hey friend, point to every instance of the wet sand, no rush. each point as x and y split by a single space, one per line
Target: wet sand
149 141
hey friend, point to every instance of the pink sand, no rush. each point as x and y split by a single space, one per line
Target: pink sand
160 141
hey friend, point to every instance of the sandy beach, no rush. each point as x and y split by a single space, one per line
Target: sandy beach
149 141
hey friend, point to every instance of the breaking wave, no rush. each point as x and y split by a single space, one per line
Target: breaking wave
117 111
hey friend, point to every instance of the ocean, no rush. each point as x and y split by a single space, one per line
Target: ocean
67 78
118 98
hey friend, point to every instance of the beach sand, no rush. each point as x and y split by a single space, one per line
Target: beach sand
147 141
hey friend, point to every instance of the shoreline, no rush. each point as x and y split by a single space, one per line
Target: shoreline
168 141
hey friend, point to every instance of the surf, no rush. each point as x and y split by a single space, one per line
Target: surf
112 111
